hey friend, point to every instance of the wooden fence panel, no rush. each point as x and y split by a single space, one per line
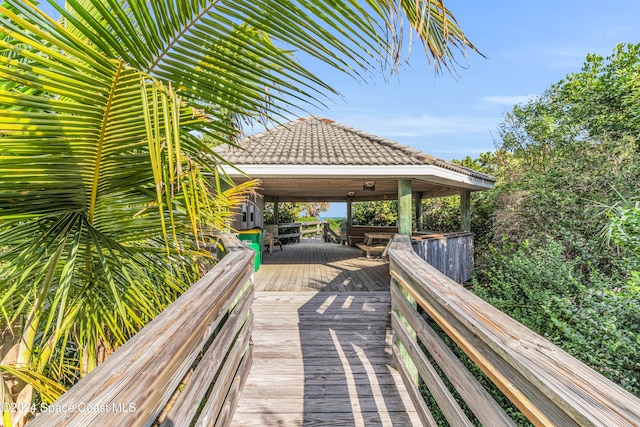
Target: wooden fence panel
449 253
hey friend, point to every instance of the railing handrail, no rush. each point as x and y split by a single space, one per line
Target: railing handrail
133 386
547 384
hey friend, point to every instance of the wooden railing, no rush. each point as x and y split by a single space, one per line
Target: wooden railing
187 366
545 383
289 232
311 228
330 236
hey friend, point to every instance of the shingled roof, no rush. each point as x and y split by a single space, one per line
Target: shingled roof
318 141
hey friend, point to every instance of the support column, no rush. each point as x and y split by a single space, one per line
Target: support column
349 215
276 216
419 221
465 210
404 207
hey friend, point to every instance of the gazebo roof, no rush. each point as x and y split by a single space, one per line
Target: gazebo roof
317 159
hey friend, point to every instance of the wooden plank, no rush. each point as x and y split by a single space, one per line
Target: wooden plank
446 402
306 350
217 397
319 378
288 419
226 415
479 401
414 393
301 298
189 399
321 405
317 391
292 336
316 369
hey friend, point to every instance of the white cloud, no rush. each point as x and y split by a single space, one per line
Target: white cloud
509 99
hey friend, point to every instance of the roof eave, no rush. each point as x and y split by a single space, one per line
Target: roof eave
427 173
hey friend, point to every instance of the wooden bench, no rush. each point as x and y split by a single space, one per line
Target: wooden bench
375 242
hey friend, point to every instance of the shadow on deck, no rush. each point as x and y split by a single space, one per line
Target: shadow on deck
323 358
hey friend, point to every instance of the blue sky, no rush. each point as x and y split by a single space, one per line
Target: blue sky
529 46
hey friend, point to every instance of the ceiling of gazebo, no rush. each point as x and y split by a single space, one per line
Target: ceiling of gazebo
315 159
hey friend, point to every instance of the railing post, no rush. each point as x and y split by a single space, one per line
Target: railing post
404 354
404 207
419 219
276 208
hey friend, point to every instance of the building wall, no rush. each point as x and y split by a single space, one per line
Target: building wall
250 214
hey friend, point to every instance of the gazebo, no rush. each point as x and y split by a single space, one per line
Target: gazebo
315 159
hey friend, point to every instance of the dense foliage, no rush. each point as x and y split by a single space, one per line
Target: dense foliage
287 212
374 213
561 253
558 240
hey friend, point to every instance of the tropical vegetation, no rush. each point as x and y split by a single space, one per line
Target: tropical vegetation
557 245
109 187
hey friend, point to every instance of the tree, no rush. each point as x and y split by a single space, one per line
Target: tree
603 99
565 161
375 213
600 102
104 175
313 209
287 212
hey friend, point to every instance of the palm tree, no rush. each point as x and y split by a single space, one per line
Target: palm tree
107 188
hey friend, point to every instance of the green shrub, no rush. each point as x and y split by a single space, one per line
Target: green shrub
595 316
601 327
525 281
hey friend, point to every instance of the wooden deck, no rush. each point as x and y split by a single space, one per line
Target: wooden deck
313 265
323 358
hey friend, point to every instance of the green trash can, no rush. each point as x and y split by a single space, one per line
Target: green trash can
254 240
258 258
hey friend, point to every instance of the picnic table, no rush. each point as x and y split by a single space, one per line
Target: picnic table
375 242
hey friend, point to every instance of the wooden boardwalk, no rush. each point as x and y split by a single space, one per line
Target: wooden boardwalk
323 358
